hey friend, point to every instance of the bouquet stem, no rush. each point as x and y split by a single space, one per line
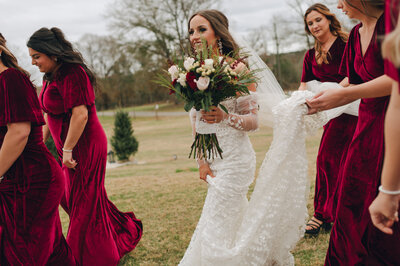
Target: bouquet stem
205 146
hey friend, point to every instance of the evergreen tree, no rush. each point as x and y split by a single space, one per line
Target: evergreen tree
123 141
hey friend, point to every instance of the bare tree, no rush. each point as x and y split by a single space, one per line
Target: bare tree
280 33
297 21
100 52
161 26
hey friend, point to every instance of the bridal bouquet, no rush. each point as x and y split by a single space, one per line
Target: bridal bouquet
203 80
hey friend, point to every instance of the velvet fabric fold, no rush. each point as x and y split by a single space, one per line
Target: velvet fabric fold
336 137
31 191
353 238
98 233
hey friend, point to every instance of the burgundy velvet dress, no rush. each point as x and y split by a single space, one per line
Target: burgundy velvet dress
31 191
354 240
98 233
336 136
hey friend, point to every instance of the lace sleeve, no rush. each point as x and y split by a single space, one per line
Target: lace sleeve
246 117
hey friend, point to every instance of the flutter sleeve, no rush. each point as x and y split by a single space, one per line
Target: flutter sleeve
307 74
75 88
347 65
246 117
18 99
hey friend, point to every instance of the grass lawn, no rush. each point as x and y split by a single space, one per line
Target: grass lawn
168 196
164 107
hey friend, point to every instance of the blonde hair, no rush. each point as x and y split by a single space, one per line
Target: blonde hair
391 46
334 27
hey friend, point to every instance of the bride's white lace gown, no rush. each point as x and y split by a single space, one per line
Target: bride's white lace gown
263 231
226 199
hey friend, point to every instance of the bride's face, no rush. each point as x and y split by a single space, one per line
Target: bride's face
200 28
318 24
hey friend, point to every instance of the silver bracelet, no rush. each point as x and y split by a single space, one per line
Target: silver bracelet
389 192
66 150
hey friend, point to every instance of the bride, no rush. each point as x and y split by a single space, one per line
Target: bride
231 230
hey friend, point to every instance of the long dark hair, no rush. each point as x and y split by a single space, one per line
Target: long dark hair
7 58
52 42
334 27
220 24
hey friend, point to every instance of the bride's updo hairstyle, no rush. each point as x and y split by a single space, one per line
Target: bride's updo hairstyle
52 43
220 24
334 27
7 58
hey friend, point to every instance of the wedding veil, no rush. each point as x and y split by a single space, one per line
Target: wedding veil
269 91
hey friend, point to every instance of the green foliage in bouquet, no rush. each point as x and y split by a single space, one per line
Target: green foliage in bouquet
123 141
203 80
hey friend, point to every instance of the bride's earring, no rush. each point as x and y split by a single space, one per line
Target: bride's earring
220 48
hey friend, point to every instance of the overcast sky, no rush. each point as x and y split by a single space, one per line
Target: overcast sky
20 18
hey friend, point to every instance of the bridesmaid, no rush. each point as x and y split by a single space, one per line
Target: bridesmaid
322 63
351 242
383 209
32 183
98 233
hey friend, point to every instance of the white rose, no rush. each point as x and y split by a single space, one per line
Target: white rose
208 64
182 79
202 83
174 72
188 64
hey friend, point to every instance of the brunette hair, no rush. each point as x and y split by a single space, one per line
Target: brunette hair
220 24
334 26
7 58
378 4
52 42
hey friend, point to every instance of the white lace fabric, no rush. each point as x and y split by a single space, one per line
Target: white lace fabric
246 117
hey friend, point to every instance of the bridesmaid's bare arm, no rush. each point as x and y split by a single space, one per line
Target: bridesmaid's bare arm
77 124
329 99
13 144
391 166
345 82
303 86
384 208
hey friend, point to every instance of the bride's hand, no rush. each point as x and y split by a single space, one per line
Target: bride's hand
204 170
215 115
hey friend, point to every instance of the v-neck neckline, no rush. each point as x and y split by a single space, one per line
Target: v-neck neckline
370 41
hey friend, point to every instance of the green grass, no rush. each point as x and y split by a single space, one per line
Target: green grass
164 107
167 194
